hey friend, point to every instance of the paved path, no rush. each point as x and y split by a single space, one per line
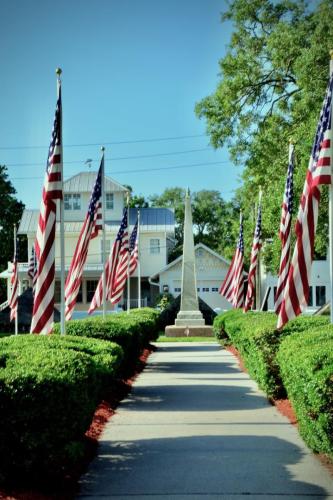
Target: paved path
196 427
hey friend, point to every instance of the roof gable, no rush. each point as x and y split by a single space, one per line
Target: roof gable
200 246
84 183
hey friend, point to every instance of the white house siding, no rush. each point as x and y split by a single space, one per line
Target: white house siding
211 270
320 286
157 224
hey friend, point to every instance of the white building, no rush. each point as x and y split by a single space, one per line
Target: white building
156 237
211 269
319 286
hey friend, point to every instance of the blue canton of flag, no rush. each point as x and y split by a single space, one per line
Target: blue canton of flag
95 195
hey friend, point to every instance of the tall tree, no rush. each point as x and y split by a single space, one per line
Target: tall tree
10 213
273 80
212 218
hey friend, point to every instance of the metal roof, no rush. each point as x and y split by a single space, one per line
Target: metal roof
150 218
84 182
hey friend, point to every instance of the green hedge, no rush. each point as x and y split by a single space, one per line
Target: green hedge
254 334
49 388
131 331
306 364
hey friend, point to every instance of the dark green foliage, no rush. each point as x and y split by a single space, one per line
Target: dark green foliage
131 331
271 86
306 364
168 316
49 388
254 334
297 361
10 213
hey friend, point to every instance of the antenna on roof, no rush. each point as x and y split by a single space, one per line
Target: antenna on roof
88 162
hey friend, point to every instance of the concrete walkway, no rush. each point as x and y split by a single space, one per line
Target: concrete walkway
196 427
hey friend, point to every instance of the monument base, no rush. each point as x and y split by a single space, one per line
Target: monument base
189 331
193 318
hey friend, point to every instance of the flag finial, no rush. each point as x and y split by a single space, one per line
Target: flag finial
102 149
331 54
291 140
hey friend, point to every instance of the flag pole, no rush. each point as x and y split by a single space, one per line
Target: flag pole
15 257
103 235
62 229
258 269
331 205
128 260
139 263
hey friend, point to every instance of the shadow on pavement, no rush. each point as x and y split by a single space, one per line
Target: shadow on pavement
191 465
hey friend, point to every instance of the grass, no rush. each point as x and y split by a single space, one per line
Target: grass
163 338
5 334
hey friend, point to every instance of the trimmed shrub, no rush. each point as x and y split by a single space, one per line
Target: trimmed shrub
131 331
49 388
306 364
107 356
47 399
254 334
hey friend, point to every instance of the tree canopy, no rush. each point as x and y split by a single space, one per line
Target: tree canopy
272 83
10 213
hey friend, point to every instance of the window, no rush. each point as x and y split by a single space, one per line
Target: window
320 295
79 295
154 245
200 252
310 301
198 289
109 203
57 292
91 287
177 289
205 289
215 289
72 201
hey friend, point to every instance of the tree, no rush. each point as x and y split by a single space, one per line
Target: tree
173 198
136 201
273 80
212 218
10 213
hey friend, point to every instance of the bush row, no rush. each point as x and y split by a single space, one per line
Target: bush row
131 331
297 361
50 385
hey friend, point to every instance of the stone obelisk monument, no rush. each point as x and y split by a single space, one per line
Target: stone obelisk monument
189 321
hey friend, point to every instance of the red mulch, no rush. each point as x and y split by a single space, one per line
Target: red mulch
104 411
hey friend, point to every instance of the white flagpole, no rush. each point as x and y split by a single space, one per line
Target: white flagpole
103 236
128 261
15 250
62 228
330 211
139 263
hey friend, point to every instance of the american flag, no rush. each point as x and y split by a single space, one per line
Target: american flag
32 269
232 287
297 288
256 245
116 288
42 315
133 249
284 233
111 266
15 284
91 225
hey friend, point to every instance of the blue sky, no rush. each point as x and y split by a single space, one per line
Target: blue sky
132 73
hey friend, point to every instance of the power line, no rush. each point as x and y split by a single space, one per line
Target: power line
140 170
116 158
112 143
